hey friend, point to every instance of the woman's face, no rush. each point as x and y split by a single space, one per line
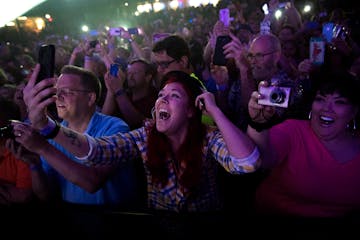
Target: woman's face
331 114
172 109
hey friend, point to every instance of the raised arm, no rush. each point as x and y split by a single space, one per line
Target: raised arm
37 97
257 129
237 142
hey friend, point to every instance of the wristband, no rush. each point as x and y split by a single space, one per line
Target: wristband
263 126
51 129
259 126
130 40
119 92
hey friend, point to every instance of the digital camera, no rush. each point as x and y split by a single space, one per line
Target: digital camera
274 96
6 132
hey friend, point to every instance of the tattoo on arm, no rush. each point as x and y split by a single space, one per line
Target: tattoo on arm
73 136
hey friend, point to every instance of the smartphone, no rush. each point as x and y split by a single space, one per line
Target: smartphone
133 31
219 56
327 31
115 31
224 16
317 50
114 69
46 58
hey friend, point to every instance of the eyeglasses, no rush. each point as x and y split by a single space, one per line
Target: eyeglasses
67 92
165 64
258 56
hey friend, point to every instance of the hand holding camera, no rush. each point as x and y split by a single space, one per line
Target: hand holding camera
259 114
274 96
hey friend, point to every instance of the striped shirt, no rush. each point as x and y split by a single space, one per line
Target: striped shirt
121 147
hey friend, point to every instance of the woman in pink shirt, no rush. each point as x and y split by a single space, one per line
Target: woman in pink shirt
315 164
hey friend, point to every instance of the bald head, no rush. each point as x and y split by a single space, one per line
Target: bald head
267 42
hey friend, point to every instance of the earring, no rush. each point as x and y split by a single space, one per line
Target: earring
309 116
354 125
153 113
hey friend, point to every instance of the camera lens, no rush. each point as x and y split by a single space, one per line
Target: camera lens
277 96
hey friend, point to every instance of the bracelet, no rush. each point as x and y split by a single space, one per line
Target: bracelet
263 126
35 167
130 40
51 125
259 126
51 129
119 92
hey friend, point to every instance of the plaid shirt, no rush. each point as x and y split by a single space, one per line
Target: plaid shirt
173 197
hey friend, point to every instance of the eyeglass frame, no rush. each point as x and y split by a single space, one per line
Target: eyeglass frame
60 92
257 56
165 64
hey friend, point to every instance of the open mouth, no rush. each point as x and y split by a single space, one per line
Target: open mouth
326 120
163 114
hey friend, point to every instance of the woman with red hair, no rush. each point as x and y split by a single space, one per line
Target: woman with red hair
180 154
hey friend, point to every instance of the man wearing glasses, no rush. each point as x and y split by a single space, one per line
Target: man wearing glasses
78 92
172 53
263 58
260 63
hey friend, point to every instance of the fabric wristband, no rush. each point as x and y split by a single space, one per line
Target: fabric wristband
263 126
259 126
119 92
51 129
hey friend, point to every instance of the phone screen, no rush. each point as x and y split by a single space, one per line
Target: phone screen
114 68
46 58
224 16
133 31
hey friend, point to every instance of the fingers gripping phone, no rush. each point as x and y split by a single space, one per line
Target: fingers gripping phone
46 58
219 56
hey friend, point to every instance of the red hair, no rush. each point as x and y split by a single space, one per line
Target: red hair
189 154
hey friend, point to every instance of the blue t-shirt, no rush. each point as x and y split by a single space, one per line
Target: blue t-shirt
119 189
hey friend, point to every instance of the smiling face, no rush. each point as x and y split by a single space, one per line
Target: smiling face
173 110
73 100
331 114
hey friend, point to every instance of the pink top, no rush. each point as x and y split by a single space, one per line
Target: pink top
308 182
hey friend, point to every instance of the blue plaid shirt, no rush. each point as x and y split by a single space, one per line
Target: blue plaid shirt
121 147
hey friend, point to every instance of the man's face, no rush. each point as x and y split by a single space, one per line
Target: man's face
262 60
73 99
136 75
165 63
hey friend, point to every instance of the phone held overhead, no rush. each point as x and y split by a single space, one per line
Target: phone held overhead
46 58
219 56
